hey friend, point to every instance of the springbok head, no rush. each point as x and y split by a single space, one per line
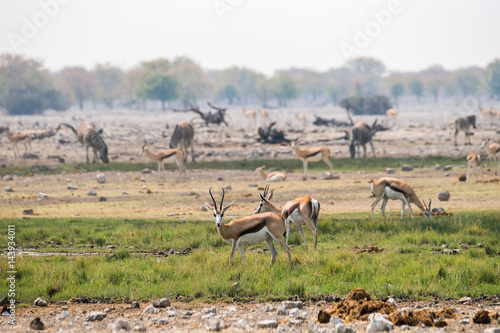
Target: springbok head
143 147
265 199
218 212
259 169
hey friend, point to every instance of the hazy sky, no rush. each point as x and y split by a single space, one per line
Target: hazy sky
261 34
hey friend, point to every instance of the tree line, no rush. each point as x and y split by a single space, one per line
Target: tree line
27 87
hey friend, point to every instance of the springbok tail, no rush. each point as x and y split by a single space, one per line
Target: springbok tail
315 212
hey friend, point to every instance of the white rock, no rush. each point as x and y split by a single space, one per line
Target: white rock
464 322
8 189
72 187
340 328
161 303
392 302
119 325
209 310
492 330
379 324
292 305
270 308
92 193
95 316
8 177
334 320
149 310
214 325
39 302
101 178
294 313
42 196
63 315
267 324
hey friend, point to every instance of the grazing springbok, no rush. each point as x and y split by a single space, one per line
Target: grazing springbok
391 116
16 138
386 188
166 156
474 160
275 176
463 124
252 229
361 134
301 211
313 154
493 150
183 136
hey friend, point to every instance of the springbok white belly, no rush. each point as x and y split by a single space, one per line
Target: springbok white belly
296 218
393 195
170 159
315 158
256 237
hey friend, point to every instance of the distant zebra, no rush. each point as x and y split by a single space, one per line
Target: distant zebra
463 124
183 136
88 136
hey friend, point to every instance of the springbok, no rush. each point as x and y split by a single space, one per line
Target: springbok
275 176
474 160
391 115
301 211
183 136
166 156
386 188
313 154
252 229
249 113
16 138
463 124
493 150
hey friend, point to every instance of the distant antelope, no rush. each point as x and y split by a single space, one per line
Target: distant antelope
361 134
300 211
183 136
313 154
252 229
391 115
89 137
16 138
493 150
249 113
474 160
166 156
263 113
386 188
463 124
275 176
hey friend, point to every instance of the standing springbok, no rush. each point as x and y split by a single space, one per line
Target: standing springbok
301 211
391 115
386 188
183 135
16 138
166 156
252 229
313 154
463 124
493 150
275 176
474 160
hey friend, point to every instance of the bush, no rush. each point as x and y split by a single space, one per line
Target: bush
376 104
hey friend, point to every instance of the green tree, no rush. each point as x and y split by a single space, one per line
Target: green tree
230 93
416 88
493 78
193 81
434 87
26 87
79 82
284 87
157 82
243 80
397 89
109 83
366 65
467 83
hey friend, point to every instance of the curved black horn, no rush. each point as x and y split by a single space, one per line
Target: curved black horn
222 200
213 200
266 189
430 204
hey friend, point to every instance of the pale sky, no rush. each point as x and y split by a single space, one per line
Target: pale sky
265 35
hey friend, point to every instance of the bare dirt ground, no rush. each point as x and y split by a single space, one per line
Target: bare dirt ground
137 195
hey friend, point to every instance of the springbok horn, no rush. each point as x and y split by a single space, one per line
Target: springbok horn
222 200
215 205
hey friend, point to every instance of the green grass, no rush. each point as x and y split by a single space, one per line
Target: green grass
405 268
293 164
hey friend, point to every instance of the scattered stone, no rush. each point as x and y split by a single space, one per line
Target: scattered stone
95 316
146 171
161 303
292 305
294 313
149 310
31 156
253 185
220 179
389 171
124 192
438 167
445 246
405 327
462 178
379 324
209 310
144 187
171 313
92 193
37 325
492 330
334 320
214 325
465 322
465 300
267 324
102 199
119 325
143 180
72 187
447 168
161 321
8 189
64 308
135 305
295 322
270 308
282 312
392 302
8 177
419 306
139 328
481 317
39 302
63 315
28 212
407 167
42 196
444 196
101 178
227 187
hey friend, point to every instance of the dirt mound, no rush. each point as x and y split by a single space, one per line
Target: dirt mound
482 317
357 306
425 317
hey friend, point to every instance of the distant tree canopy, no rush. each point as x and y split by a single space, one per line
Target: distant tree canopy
284 88
417 89
157 82
80 83
26 87
493 78
397 90
366 105
109 81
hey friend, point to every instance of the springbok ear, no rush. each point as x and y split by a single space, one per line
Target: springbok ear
270 195
208 206
228 206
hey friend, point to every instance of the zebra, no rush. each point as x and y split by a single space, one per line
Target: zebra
360 135
463 124
88 136
183 136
